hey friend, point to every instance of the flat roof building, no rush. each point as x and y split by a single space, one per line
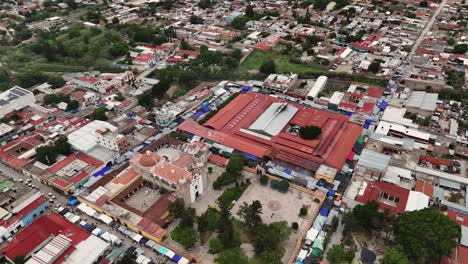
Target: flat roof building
15 99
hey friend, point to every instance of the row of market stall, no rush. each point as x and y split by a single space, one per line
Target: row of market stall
313 244
104 235
160 249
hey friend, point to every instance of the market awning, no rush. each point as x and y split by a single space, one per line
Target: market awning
183 261
137 237
106 219
170 253
163 250
176 258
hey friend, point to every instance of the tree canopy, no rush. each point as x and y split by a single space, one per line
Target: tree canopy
268 237
310 132
251 214
395 256
337 255
99 114
426 234
268 66
236 164
232 256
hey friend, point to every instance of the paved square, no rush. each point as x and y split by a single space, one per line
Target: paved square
143 199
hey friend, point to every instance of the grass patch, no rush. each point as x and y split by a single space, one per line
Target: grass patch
283 65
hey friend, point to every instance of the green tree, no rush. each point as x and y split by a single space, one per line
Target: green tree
46 154
271 257
365 218
226 234
337 254
268 66
99 114
185 236
251 214
73 105
62 146
374 67
268 237
208 221
395 256
196 20
236 164
115 20
145 100
426 235
303 211
310 132
203 4
56 81
264 180
215 246
19 260
118 49
239 22
232 256
177 208
188 217
249 11
159 89
460 48
423 4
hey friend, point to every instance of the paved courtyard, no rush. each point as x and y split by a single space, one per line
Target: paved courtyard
143 199
277 206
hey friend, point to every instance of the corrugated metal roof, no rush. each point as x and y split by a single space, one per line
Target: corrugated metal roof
450 184
373 160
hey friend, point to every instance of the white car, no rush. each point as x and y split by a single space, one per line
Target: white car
50 194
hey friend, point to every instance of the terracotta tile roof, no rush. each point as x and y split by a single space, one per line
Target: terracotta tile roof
424 187
170 172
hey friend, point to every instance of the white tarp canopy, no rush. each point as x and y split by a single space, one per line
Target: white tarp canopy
106 236
143 260
75 219
183 261
68 215
137 237
170 253
417 201
302 254
96 231
312 234
106 219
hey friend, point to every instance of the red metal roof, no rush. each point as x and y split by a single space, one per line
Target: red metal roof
39 231
225 128
436 161
374 190
217 159
375 92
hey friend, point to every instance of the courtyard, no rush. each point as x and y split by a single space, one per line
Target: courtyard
143 199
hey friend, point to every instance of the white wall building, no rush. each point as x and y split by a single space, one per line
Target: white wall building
15 99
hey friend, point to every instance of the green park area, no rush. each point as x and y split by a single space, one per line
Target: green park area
283 63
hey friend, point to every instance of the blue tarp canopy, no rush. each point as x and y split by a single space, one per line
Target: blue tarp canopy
288 171
130 115
102 171
163 250
176 258
383 105
324 211
205 108
367 123
349 113
144 240
250 157
331 193
198 114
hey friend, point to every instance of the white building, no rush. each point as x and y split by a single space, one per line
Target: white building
100 140
15 99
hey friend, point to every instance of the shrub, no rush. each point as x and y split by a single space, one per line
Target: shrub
215 246
295 226
264 180
281 186
223 180
303 211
